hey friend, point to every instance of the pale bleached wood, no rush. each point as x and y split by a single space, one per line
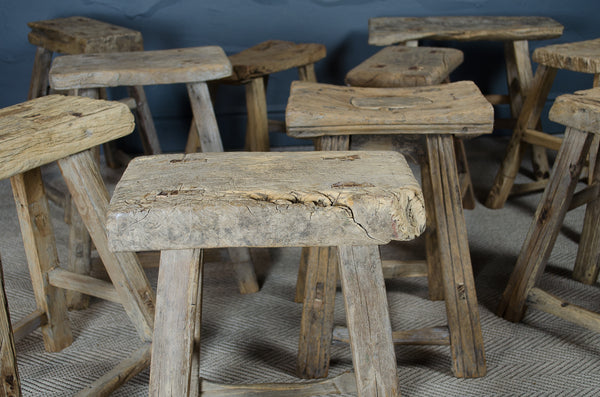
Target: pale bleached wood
580 110
535 137
146 127
122 373
177 292
78 257
341 384
64 124
273 56
243 269
204 118
580 56
321 109
398 269
542 300
38 86
422 336
546 224
317 313
83 284
195 374
307 73
244 199
368 320
257 126
400 66
40 250
29 323
466 341
76 35
10 383
89 194
391 30
134 68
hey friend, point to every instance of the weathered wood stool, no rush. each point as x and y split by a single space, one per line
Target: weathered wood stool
580 112
10 383
514 32
192 66
583 57
180 204
63 128
337 115
251 68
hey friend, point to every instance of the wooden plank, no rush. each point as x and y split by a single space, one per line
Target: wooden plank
391 30
38 86
83 284
525 188
89 194
145 123
122 373
307 73
466 341
540 138
545 225
317 313
432 252
49 128
368 320
455 108
496 99
177 292
464 174
10 383
246 199
78 258
580 110
257 126
40 250
301 278
584 196
422 336
207 129
542 300
398 269
135 68
243 269
580 56
29 323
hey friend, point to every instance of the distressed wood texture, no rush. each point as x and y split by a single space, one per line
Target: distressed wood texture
272 200
257 125
78 35
580 110
401 66
65 124
422 336
10 384
135 68
581 56
202 109
273 56
316 109
38 86
368 319
392 30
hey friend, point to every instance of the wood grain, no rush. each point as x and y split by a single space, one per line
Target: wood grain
10 384
580 110
581 56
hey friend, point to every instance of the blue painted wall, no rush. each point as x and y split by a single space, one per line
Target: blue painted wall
341 25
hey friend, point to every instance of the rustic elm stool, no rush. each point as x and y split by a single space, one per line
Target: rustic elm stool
10 384
580 112
181 204
336 116
64 128
251 68
583 57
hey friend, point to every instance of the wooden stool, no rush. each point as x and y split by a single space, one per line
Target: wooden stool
436 113
63 128
583 57
10 384
180 204
581 114
252 68
192 66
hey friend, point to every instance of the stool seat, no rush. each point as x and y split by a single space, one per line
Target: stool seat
581 56
580 110
81 35
132 68
320 109
228 200
273 56
400 66
392 30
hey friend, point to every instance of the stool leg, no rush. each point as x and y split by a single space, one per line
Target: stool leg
545 225
79 257
317 313
466 185
307 73
39 76
257 128
432 254
146 126
466 341
204 118
368 319
176 309
528 118
89 194
10 385
40 249
301 278
244 270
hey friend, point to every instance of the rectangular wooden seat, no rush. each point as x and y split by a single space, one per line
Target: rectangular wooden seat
400 66
581 56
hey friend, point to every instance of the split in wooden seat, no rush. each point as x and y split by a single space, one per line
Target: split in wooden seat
251 68
64 128
336 116
580 113
181 204
582 57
